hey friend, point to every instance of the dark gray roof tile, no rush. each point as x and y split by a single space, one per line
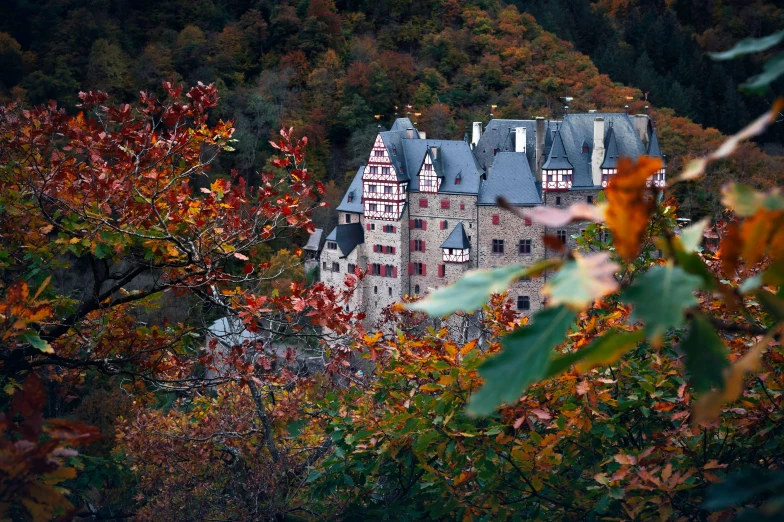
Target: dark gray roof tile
355 191
457 238
511 178
347 236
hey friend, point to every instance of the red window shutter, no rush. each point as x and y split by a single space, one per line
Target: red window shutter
411 269
383 270
496 219
424 269
462 206
411 223
367 226
393 250
394 271
441 270
394 229
528 222
423 245
424 224
444 203
423 202
411 246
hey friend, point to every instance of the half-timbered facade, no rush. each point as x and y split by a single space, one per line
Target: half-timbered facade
423 211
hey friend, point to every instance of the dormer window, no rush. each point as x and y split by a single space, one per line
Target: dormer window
585 148
458 180
350 196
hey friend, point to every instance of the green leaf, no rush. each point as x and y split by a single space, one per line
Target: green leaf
313 476
31 337
693 264
772 69
745 201
659 297
524 359
102 251
706 355
749 45
691 237
602 351
474 289
771 304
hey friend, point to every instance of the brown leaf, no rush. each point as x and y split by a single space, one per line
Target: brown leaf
628 207
756 233
729 249
553 243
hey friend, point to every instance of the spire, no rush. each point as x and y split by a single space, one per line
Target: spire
557 158
611 146
653 147
457 239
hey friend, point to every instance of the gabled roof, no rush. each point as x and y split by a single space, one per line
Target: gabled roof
454 159
499 134
578 127
347 236
457 238
557 159
653 147
355 189
314 241
610 151
393 141
511 178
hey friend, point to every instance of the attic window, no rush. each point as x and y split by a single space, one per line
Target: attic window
394 150
458 179
350 197
331 245
585 147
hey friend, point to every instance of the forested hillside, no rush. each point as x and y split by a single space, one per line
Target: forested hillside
337 70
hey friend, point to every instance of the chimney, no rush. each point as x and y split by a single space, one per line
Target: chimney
541 133
476 134
422 135
520 137
434 152
641 126
410 133
597 154
591 111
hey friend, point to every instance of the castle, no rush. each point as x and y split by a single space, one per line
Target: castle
423 211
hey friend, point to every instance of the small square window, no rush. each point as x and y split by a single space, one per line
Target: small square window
589 199
498 246
524 248
561 234
557 200
523 302
348 218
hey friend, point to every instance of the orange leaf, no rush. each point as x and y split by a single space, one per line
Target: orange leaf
628 207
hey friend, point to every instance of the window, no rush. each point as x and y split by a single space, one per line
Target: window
388 208
495 151
389 228
585 147
374 170
445 203
416 289
378 153
528 222
394 150
557 200
388 189
561 234
348 218
496 219
462 206
336 267
389 270
524 248
441 270
498 246
352 268
372 207
419 268
371 188
523 302
372 226
419 245
458 180
390 291
375 269
324 266
385 170
589 199
444 225
389 250
331 245
375 289
422 202
350 198
418 223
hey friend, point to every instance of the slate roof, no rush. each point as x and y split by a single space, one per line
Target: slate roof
355 205
577 128
511 178
653 147
347 236
610 151
557 158
314 241
457 238
231 332
454 158
402 124
499 134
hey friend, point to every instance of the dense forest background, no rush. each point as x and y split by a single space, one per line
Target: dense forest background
335 70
